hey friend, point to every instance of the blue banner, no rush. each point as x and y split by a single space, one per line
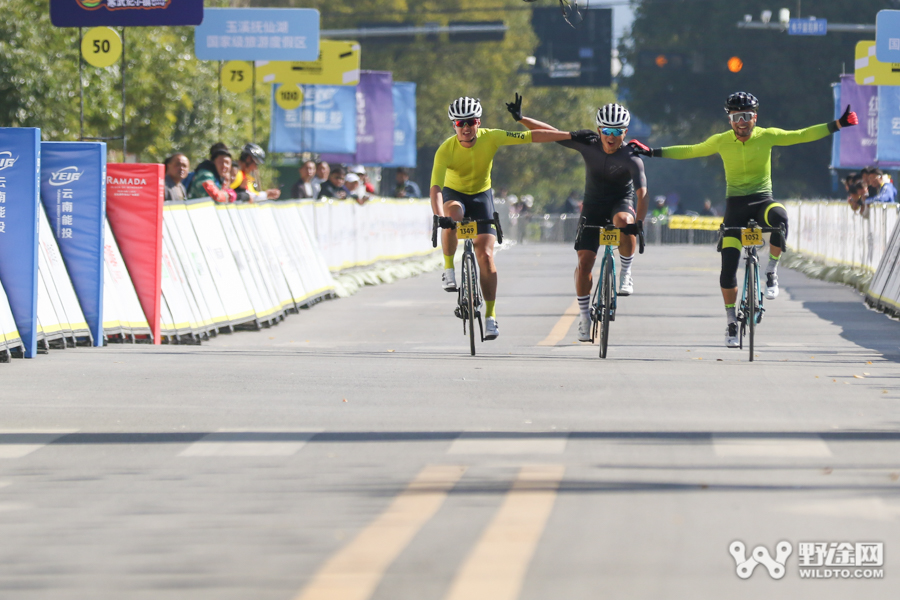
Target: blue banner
20 166
125 13
836 137
73 190
258 34
325 122
888 148
404 125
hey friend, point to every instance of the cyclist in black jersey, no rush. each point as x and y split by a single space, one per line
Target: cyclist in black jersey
614 176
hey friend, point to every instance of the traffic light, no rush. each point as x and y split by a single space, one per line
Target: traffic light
735 64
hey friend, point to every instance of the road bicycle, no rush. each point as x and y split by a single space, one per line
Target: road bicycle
603 303
751 310
468 304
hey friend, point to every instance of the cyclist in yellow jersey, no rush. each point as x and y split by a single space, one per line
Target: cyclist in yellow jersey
461 187
746 153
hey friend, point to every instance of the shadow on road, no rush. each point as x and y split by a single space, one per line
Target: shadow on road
844 307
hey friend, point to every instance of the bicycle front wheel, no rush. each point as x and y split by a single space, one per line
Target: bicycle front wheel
469 280
752 301
606 295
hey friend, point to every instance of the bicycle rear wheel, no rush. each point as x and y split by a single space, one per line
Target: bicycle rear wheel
470 282
752 300
608 283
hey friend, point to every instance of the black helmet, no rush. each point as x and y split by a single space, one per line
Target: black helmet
741 101
255 152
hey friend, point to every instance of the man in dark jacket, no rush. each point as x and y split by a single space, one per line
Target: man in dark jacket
213 176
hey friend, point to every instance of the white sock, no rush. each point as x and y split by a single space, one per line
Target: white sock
625 262
584 304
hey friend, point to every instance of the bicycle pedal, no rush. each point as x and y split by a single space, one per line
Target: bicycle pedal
458 313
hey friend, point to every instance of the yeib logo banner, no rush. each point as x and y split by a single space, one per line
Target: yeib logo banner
73 191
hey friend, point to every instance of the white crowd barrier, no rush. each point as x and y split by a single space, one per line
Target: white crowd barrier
884 288
351 235
122 312
830 232
227 265
9 334
59 313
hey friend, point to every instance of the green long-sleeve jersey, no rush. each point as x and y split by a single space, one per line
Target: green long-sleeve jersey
748 165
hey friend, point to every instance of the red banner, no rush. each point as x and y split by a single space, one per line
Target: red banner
134 202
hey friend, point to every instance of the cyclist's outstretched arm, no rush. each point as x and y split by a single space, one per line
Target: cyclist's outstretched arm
707 148
780 137
437 200
533 124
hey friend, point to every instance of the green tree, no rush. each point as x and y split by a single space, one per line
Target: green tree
791 75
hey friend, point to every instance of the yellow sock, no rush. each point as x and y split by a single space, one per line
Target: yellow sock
489 309
448 261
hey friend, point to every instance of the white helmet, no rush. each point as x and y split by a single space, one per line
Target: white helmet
465 108
613 115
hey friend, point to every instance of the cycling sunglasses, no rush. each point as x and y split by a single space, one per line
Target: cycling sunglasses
463 122
741 117
612 131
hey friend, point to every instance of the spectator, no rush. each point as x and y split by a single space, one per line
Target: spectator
244 183
572 203
856 198
660 212
323 170
708 210
406 188
364 183
177 168
880 184
306 187
355 188
334 187
213 175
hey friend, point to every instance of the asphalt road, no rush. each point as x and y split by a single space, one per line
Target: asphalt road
356 451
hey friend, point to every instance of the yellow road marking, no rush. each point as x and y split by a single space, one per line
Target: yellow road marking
495 568
561 329
354 572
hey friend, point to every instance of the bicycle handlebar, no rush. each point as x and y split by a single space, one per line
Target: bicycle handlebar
754 225
636 228
495 222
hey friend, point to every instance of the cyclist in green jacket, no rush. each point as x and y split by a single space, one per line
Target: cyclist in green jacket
746 153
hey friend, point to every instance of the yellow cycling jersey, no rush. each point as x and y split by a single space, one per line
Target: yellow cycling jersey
239 180
468 170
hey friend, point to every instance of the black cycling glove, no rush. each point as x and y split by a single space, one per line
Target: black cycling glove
515 108
446 223
642 149
585 136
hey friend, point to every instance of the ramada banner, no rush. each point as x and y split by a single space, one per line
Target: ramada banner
125 13
134 201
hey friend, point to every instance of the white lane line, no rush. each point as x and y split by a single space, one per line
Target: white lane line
354 572
16 443
472 443
799 446
251 442
496 566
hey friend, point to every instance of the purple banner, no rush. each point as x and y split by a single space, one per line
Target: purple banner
374 121
859 144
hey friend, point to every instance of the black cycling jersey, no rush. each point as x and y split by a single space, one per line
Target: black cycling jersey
609 177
